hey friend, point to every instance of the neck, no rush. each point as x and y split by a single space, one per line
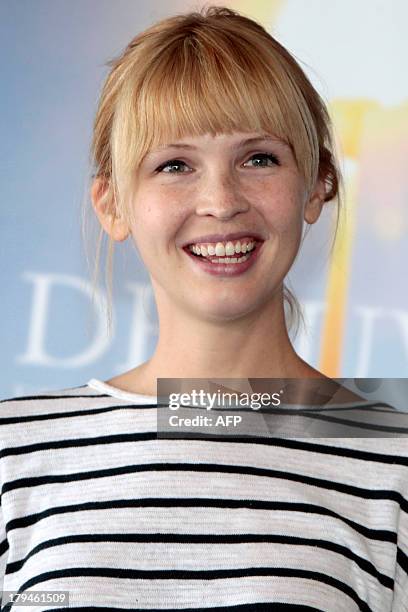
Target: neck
254 346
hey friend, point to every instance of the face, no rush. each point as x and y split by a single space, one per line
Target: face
240 183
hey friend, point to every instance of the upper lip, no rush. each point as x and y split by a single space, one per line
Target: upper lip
224 237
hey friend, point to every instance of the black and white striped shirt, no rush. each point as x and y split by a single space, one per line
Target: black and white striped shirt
93 503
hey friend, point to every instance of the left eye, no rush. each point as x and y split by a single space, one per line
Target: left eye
177 162
265 157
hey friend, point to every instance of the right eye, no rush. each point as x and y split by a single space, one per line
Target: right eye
171 163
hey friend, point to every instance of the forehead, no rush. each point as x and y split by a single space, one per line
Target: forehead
225 140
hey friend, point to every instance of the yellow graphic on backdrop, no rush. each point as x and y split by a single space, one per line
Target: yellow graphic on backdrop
348 119
380 129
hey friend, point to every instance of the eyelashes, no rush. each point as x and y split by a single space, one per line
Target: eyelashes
178 162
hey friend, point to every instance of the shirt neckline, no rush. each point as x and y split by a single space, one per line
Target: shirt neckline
104 387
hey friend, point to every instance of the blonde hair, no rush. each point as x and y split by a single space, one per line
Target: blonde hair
213 71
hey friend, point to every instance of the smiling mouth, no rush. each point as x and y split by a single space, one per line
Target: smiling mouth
236 258
223 267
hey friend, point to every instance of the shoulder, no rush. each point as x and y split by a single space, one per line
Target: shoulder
46 410
21 404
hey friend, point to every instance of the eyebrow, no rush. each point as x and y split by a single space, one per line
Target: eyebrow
242 142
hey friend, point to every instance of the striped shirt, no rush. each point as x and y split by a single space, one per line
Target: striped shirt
94 503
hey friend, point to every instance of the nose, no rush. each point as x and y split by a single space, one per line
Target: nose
222 198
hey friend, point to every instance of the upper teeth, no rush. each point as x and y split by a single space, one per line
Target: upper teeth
220 249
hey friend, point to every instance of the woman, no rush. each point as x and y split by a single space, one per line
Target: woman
211 150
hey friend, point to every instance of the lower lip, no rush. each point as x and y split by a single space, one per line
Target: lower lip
219 269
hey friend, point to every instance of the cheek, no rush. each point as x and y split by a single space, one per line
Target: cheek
156 223
292 221
284 211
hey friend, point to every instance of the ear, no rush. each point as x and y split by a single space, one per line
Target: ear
114 225
315 203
